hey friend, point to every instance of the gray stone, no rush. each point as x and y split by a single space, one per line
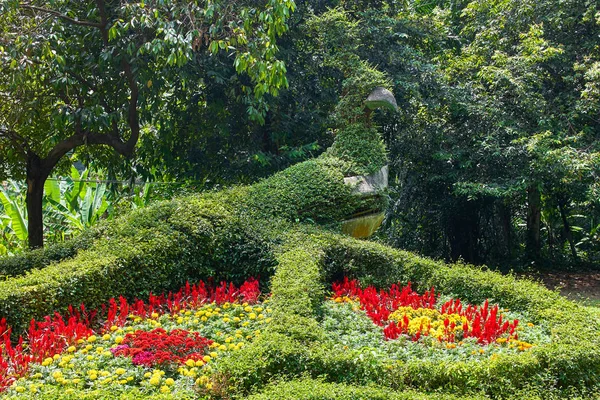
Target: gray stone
381 97
368 185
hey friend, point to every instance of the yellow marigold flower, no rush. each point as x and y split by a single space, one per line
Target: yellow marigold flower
529 324
222 347
119 339
236 319
165 389
147 375
47 361
155 380
213 354
120 371
56 356
106 336
190 363
76 381
206 358
114 328
93 377
199 363
154 315
20 389
91 339
80 341
169 381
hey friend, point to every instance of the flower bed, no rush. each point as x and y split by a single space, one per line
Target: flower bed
403 323
168 344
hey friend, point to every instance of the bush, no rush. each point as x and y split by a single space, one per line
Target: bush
150 250
40 258
361 147
309 389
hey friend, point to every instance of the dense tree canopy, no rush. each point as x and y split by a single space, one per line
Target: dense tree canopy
76 74
494 155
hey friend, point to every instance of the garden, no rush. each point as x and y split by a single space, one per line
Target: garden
297 200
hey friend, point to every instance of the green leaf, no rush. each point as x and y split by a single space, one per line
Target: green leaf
16 214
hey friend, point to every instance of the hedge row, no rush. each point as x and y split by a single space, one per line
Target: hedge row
150 250
296 346
310 389
40 258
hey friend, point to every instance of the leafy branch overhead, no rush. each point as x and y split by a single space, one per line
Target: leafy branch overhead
95 73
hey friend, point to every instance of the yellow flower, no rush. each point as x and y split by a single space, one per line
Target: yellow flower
190 363
213 354
169 381
206 358
165 389
20 389
222 347
154 315
119 339
93 377
155 380
147 375
106 337
114 328
199 363
91 339
47 361
120 371
248 309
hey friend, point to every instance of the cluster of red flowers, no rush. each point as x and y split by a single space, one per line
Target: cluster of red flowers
161 348
380 304
484 323
56 333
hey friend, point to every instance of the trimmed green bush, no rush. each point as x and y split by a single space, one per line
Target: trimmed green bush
40 258
361 147
150 250
309 389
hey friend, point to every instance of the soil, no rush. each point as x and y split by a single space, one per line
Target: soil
581 286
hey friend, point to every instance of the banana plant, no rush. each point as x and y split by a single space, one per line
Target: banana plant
75 203
14 216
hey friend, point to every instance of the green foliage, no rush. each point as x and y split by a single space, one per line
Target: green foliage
309 389
36 259
361 147
153 249
310 191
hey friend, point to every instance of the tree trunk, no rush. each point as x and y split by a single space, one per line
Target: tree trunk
567 226
534 217
36 177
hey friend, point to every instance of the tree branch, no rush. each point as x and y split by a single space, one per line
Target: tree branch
84 138
61 16
20 142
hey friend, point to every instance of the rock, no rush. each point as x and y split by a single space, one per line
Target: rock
381 97
369 184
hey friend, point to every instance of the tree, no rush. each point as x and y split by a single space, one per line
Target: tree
79 73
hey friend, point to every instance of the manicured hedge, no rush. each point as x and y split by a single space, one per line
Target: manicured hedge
296 346
40 258
310 389
150 250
